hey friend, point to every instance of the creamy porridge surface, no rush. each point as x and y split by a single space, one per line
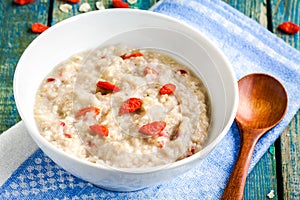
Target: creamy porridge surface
123 107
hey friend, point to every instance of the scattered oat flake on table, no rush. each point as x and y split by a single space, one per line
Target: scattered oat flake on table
131 1
271 194
85 7
65 7
23 2
100 5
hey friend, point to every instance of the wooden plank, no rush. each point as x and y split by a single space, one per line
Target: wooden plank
14 38
286 10
58 15
255 9
289 10
290 148
263 178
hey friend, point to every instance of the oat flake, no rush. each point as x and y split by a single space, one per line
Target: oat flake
131 1
271 194
100 5
85 7
65 7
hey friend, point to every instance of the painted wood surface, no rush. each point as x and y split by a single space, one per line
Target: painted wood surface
289 143
15 35
58 15
279 168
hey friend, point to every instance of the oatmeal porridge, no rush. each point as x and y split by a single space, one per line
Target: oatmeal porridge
123 107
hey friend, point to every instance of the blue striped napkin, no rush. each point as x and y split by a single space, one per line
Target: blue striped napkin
249 47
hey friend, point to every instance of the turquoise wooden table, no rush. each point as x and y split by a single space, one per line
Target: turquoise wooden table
278 170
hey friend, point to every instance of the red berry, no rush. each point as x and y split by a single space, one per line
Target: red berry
167 89
150 70
182 71
99 130
72 1
82 112
119 4
152 129
50 79
67 135
107 86
23 2
62 123
289 28
38 27
130 105
131 55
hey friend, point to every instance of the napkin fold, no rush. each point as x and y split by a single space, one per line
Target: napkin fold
26 173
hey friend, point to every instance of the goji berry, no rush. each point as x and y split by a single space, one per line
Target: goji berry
182 71
153 128
67 135
72 1
167 89
289 28
99 129
131 55
38 27
107 86
82 112
23 2
62 123
161 144
191 152
150 70
130 105
119 4
91 144
50 79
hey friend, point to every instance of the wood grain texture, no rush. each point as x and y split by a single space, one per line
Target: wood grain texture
289 10
286 10
263 178
255 9
14 38
258 93
290 148
58 15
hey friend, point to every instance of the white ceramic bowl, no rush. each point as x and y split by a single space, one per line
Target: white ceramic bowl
135 28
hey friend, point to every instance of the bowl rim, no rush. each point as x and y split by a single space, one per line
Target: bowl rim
39 139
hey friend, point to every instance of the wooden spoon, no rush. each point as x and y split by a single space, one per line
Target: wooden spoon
262 104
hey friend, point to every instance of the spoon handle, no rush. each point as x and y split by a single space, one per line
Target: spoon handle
235 186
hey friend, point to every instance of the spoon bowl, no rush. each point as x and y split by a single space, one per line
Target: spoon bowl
262 101
262 105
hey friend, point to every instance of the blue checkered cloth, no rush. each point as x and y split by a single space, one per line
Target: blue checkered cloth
250 48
